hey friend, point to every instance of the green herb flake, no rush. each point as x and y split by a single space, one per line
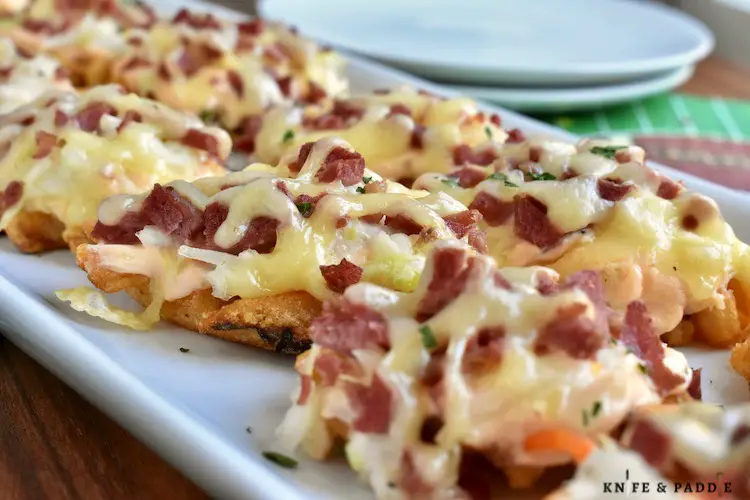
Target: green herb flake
544 176
499 176
488 132
280 460
288 136
361 190
366 180
643 368
608 152
184 349
450 181
428 338
305 208
208 116
596 409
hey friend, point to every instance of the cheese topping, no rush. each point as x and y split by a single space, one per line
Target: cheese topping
402 133
80 149
82 36
258 234
481 353
22 80
599 207
226 71
706 439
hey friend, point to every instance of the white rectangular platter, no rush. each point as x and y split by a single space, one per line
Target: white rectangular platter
194 408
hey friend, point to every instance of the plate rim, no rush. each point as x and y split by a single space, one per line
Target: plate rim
577 98
530 72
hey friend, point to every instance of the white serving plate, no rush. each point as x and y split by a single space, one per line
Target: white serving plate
564 99
193 408
508 42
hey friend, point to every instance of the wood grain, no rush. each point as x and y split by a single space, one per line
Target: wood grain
55 445
720 78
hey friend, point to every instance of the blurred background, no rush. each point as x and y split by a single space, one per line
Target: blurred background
670 75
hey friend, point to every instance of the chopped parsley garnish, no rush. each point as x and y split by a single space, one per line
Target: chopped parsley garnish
498 176
366 181
450 181
608 152
279 459
596 409
305 208
428 338
488 132
209 116
288 136
586 416
544 176
643 368
184 349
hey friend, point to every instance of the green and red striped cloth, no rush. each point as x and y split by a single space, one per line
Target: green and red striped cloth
707 137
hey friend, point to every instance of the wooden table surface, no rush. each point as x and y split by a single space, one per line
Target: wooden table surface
55 445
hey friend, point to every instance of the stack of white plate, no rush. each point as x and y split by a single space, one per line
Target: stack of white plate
530 55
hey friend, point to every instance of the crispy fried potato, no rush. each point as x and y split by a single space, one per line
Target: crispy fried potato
522 477
720 327
87 67
35 232
681 335
740 359
277 323
742 300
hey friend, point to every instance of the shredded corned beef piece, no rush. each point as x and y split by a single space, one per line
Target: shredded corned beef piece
194 138
494 210
571 332
516 135
399 109
450 272
651 443
245 140
532 224
344 326
343 165
45 143
639 335
400 223
694 389
668 189
484 350
371 405
468 177
89 117
341 276
613 189
130 117
304 153
260 234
